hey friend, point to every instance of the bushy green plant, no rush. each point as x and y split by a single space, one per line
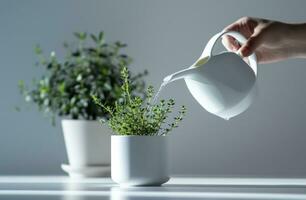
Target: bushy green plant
66 87
138 116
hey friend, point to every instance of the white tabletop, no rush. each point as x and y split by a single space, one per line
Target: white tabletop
48 187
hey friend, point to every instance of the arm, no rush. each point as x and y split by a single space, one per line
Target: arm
297 39
272 41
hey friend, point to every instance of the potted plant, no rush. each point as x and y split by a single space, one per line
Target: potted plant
65 90
139 140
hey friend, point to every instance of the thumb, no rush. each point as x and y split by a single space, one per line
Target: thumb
252 44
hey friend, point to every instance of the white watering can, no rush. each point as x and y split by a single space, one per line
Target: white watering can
223 84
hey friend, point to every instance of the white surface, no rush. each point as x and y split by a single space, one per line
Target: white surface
139 160
87 143
88 171
179 187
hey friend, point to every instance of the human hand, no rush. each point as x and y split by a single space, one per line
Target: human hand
272 41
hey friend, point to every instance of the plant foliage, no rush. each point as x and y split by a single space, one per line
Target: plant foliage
138 116
66 87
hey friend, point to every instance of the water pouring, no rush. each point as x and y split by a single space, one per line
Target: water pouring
223 84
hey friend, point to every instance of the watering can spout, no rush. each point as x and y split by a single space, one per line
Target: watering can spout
185 73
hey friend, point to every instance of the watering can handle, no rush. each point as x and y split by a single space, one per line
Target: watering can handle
240 38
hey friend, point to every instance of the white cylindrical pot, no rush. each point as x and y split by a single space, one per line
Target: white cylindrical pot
139 160
87 143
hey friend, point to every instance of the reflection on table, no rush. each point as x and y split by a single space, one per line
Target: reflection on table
53 188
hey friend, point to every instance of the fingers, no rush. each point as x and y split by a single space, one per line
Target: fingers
241 26
233 27
252 29
230 43
236 26
253 43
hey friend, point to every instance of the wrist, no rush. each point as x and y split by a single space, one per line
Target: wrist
295 36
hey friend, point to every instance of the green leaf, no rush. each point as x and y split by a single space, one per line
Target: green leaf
37 49
79 78
61 88
107 86
73 100
101 36
94 38
21 85
28 98
46 102
80 35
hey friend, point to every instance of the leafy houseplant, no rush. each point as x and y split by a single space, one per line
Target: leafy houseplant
66 87
139 143
65 90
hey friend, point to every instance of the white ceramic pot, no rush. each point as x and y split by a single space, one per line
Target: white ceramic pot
87 144
139 160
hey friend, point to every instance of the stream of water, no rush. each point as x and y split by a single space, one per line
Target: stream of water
159 91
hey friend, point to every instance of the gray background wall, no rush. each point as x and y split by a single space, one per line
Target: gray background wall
163 36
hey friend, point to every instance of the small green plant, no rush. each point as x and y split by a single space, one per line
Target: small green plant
138 116
66 87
